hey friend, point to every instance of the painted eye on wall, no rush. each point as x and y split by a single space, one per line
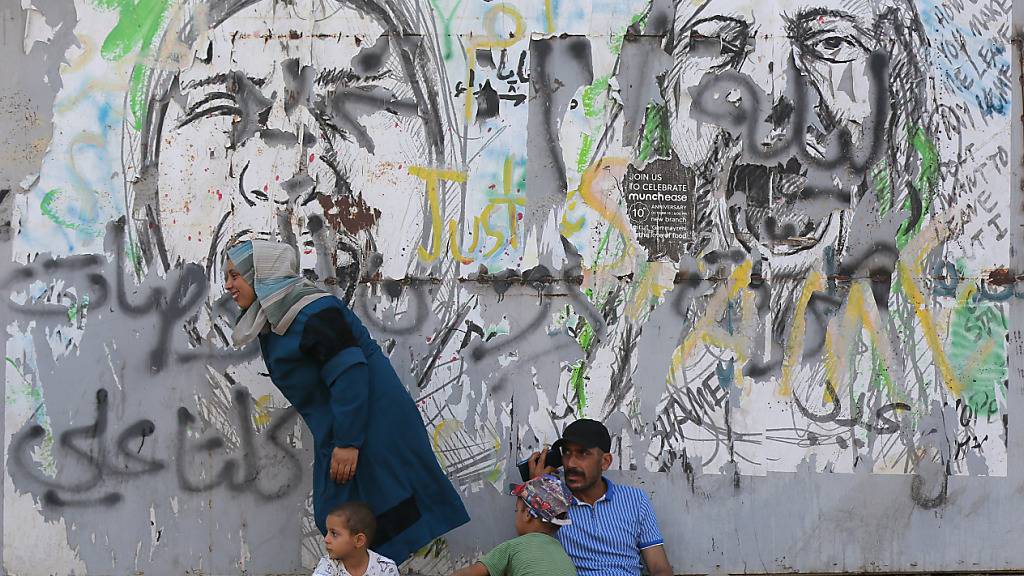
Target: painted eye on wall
834 47
208 107
719 37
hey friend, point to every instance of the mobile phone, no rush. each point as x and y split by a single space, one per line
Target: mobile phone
553 460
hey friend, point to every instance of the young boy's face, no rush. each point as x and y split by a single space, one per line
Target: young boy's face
340 541
523 519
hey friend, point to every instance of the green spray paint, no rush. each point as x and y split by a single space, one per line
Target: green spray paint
43 454
883 188
584 335
976 327
78 311
585 338
446 27
615 42
578 381
925 183
881 379
591 94
583 158
48 206
656 137
138 24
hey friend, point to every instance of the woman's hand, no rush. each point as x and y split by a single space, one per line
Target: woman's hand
343 464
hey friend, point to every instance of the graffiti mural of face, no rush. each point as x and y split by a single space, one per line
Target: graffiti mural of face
776 97
299 123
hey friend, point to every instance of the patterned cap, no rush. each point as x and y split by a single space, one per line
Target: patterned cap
546 498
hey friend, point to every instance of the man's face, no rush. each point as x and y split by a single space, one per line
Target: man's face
295 123
583 466
766 92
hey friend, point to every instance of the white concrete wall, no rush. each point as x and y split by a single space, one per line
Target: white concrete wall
768 243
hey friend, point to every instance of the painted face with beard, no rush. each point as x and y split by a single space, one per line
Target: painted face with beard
782 107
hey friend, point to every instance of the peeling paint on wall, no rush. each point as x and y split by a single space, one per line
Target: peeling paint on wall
767 242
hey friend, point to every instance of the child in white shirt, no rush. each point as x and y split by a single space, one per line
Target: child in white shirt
350 529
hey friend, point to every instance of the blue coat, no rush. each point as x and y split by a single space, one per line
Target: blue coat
346 390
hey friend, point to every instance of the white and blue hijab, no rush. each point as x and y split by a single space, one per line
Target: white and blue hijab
272 269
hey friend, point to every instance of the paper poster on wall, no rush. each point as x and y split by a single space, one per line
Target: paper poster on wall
660 203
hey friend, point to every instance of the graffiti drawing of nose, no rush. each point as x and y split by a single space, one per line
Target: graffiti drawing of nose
741 106
297 186
285 124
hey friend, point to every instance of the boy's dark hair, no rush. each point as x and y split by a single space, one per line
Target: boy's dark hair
358 518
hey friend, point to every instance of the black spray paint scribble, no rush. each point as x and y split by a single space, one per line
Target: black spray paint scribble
883 424
559 66
171 302
745 118
106 464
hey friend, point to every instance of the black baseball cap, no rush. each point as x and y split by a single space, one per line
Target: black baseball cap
587 433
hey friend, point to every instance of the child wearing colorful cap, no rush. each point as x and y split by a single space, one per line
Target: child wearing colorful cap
542 507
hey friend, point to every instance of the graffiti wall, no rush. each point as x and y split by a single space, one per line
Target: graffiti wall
768 243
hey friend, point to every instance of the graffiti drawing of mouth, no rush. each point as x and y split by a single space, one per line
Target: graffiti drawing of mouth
774 207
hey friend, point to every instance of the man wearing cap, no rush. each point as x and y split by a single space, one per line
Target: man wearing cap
614 531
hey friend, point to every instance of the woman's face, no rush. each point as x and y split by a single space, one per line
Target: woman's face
235 285
299 120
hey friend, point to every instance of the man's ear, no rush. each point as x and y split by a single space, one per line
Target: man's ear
361 540
606 460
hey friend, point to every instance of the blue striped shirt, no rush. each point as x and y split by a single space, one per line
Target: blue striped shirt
606 539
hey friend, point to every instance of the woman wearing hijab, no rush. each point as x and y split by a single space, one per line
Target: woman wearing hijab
369 440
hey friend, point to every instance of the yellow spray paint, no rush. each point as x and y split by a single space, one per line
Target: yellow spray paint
924 316
509 202
491 39
599 200
433 177
704 331
261 407
444 431
909 269
861 317
794 343
654 280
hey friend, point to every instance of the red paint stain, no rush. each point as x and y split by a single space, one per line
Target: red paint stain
519 215
312 157
1001 277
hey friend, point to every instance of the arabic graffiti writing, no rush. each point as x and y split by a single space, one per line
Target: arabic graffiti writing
256 466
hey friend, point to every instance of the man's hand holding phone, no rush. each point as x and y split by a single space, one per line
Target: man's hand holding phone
544 462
